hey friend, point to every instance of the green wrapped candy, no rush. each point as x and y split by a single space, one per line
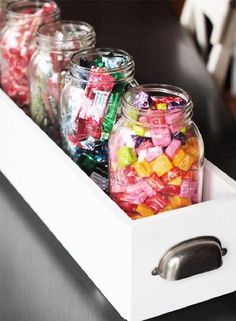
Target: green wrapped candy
126 156
113 107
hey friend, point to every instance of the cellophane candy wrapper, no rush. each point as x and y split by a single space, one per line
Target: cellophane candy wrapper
89 107
57 42
2 25
18 43
155 152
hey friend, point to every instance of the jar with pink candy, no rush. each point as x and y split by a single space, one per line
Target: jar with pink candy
18 42
155 152
49 66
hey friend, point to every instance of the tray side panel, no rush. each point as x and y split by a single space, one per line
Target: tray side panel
86 222
216 183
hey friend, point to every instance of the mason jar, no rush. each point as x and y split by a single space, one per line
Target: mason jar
18 42
2 25
155 152
90 105
49 65
3 8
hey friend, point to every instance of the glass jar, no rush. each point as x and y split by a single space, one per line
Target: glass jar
90 104
155 152
18 42
3 6
57 42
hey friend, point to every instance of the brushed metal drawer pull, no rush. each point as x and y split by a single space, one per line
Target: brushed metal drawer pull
191 257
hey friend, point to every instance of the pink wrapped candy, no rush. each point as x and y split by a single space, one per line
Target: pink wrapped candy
17 45
158 167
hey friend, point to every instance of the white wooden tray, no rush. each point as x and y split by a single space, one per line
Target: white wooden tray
118 254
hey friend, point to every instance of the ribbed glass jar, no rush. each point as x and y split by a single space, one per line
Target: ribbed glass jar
3 8
90 105
18 43
155 152
57 42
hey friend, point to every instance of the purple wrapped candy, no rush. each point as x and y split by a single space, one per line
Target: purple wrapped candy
172 105
182 102
180 136
141 100
176 104
138 140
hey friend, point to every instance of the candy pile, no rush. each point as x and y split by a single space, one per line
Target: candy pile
91 115
57 43
102 95
90 151
89 111
17 45
155 154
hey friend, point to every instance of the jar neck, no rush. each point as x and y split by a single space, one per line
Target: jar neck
124 73
65 36
177 115
25 12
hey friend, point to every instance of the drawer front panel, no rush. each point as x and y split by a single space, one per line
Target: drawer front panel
154 295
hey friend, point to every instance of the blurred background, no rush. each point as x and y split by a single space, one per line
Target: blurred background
212 26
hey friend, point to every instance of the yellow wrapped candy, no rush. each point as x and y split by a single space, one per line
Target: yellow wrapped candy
183 160
138 130
126 156
177 201
143 210
179 156
177 181
143 168
187 162
192 150
161 106
167 208
161 165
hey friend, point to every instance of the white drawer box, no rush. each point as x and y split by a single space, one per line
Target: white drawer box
118 254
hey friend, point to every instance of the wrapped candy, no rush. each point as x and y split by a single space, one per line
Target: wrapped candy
90 107
18 43
57 42
161 148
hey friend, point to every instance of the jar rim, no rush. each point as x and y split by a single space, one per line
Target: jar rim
129 109
14 7
97 51
90 32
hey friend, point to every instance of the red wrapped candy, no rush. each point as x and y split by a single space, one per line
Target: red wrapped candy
17 44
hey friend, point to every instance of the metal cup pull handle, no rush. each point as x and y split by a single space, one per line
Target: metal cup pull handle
191 257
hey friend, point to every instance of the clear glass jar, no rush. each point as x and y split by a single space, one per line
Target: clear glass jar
3 8
90 105
57 42
4 4
155 152
18 42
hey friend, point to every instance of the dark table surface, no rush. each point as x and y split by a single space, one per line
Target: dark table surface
38 278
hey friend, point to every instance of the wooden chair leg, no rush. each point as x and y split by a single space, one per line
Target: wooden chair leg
218 63
187 17
201 31
219 58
